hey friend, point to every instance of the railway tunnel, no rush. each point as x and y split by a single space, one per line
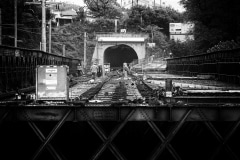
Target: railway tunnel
117 55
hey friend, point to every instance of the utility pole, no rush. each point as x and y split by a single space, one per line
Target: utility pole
84 50
152 33
50 36
64 50
115 25
43 26
0 26
160 3
15 23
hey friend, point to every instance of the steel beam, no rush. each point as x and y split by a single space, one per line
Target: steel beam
104 138
42 138
219 137
108 140
170 136
213 112
161 137
51 135
5 114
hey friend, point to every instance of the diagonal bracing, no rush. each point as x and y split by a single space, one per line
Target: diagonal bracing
161 136
42 139
166 142
222 141
47 140
107 141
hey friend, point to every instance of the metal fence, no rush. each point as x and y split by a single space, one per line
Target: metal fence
223 65
17 66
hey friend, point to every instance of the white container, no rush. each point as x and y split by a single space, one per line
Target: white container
52 82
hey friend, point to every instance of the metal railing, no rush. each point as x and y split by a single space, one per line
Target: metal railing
17 66
223 65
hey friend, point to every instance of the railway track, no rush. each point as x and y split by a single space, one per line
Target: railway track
115 89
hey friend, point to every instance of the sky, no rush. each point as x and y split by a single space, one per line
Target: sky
173 3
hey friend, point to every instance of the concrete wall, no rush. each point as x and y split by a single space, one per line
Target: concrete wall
139 48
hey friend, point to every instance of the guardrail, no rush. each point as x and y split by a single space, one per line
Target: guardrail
222 65
17 66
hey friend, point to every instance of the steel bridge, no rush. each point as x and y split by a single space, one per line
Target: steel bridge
155 119
200 128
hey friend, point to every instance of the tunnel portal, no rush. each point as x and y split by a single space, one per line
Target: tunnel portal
117 55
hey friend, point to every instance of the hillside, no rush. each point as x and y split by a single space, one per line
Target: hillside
72 36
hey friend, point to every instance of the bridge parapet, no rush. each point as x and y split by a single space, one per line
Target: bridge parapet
17 67
220 65
121 35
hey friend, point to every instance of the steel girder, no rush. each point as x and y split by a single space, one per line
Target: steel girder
212 112
124 115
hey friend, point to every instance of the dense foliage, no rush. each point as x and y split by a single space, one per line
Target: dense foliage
104 8
215 21
139 19
29 23
142 16
155 22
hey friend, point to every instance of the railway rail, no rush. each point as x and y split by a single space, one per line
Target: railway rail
110 116
120 114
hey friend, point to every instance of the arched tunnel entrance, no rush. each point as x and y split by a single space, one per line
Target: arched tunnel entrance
117 55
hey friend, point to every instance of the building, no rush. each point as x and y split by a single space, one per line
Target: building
64 17
181 31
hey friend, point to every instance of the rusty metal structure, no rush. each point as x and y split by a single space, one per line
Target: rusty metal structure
174 127
221 64
17 67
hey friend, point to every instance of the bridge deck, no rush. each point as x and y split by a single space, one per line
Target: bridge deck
96 112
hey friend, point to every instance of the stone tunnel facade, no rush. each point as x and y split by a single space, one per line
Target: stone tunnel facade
116 51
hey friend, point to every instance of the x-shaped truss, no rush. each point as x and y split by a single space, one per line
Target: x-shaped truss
166 140
222 141
107 140
46 140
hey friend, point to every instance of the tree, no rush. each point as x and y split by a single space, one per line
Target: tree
180 49
81 15
215 20
155 22
104 8
144 16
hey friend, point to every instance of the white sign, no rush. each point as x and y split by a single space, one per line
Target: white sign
175 27
51 88
151 45
123 30
51 70
168 94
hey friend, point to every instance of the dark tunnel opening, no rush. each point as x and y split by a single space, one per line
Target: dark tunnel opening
117 55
